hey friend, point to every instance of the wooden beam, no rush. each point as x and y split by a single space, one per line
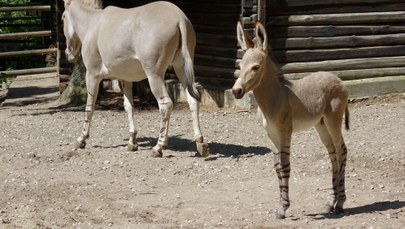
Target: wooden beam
307 55
26 34
338 42
357 74
28 71
292 3
28 52
25 8
365 88
346 64
339 19
333 30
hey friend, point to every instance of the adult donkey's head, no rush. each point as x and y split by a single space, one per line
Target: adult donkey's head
73 42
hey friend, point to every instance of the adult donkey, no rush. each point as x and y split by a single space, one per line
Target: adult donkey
319 100
132 45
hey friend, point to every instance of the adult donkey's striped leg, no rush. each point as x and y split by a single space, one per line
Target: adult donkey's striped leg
92 85
165 108
202 148
129 108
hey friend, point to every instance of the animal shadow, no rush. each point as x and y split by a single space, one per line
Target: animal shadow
369 208
178 144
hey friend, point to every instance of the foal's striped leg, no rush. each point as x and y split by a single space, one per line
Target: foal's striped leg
341 195
282 167
328 142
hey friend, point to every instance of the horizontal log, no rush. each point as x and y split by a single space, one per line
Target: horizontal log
207 7
357 74
28 71
375 86
347 64
215 61
336 54
338 19
25 34
277 10
338 42
216 72
214 19
215 29
25 8
333 31
326 2
230 52
28 52
216 40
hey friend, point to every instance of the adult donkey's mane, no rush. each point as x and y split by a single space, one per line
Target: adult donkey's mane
93 4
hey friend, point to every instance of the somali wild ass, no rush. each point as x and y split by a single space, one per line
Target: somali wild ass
284 107
131 45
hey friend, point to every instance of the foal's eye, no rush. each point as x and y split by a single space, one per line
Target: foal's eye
255 67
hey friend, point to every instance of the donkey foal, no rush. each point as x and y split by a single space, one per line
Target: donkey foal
318 100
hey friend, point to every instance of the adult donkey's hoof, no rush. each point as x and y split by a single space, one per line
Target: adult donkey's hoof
157 152
203 149
132 147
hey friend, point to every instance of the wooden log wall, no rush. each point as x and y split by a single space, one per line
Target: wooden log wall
214 23
355 39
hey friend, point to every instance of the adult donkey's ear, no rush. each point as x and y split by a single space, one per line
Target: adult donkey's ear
243 39
261 37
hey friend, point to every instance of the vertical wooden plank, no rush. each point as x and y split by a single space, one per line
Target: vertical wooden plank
262 5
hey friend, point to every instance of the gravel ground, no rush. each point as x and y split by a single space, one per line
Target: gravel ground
44 184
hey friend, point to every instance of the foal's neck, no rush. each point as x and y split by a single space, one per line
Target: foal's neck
271 84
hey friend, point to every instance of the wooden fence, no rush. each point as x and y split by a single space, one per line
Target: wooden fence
24 35
354 39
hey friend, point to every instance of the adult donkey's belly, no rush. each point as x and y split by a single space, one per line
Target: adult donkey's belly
128 70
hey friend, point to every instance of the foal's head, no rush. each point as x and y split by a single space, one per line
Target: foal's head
253 61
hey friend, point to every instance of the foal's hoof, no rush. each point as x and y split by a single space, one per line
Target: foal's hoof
280 213
132 147
334 209
203 149
80 145
157 152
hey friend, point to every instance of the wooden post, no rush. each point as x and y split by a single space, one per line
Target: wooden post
262 4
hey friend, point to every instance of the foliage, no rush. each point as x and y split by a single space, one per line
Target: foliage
17 18
22 21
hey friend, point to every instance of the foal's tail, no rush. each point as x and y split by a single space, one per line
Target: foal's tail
187 33
347 117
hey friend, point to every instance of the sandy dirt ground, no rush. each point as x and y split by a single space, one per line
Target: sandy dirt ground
44 184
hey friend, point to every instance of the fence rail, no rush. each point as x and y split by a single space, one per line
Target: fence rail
20 35
43 33
25 8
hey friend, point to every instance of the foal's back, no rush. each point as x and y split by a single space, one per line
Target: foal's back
315 96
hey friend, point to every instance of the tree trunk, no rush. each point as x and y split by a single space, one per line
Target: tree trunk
76 92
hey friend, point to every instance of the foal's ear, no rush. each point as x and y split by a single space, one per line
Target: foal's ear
261 36
243 39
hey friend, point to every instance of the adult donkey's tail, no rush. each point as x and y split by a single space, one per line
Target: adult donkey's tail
188 41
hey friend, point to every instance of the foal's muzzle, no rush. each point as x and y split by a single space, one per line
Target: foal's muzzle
238 92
